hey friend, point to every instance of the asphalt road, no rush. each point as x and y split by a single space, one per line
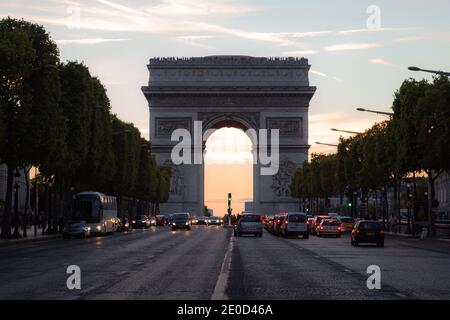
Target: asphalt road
208 262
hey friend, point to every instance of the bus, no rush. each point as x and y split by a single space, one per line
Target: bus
98 210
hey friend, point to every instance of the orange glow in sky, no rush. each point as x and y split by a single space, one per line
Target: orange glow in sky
228 168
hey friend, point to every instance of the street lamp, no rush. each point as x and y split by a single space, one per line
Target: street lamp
384 113
438 72
327 144
16 233
346 131
121 132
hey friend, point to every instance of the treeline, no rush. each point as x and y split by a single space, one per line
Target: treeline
57 117
414 142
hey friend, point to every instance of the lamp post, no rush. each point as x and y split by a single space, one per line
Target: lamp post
384 113
36 202
408 205
327 144
346 131
438 72
16 233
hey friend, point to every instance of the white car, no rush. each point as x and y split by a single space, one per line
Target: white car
249 223
295 224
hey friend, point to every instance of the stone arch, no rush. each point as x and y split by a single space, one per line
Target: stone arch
238 91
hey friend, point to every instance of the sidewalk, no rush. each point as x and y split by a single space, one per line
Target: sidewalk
417 237
30 237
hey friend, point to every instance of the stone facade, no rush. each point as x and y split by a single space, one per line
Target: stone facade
230 91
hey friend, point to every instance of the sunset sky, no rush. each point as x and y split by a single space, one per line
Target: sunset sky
352 66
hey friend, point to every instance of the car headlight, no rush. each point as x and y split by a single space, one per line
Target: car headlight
187 223
99 228
134 221
174 224
88 228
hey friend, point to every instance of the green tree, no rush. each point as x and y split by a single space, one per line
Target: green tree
29 99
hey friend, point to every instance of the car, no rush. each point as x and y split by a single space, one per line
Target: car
201 221
368 231
329 227
181 221
268 221
295 224
333 215
214 221
347 223
153 221
117 223
249 223
316 222
124 225
78 229
140 221
161 220
277 224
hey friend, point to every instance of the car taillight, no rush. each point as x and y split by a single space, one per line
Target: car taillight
321 228
286 222
381 231
307 222
339 228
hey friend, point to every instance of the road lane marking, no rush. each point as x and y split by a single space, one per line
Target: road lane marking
222 281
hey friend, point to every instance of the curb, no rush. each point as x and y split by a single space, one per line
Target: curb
31 239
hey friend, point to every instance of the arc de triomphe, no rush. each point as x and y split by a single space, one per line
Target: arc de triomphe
230 91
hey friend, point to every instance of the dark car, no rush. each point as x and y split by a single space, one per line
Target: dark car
277 225
124 225
141 221
78 229
160 220
181 221
367 231
214 221
201 221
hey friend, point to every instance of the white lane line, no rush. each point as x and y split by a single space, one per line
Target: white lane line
222 281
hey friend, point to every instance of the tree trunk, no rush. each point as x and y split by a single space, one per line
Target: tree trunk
26 171
6 223
431 194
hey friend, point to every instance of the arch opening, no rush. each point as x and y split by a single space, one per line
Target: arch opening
228 168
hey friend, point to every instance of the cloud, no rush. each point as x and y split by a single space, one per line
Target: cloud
318 73
424 37
191 8
382 62
87 41
351 46
374 30
195 41
300 53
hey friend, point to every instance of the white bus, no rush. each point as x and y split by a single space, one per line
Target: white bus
98 210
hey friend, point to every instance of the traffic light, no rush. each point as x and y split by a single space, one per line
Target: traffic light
229 199
349 204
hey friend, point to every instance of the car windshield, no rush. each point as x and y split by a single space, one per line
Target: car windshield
347 220
180 217
297 218
250 218
141 218
369 226
330 223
